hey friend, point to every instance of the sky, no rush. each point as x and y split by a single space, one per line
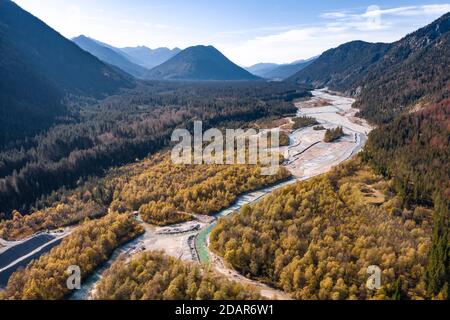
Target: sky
246 31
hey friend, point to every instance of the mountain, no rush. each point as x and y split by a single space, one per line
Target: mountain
284 71
136 61
107 54
388 78
262 68
342 67
199 63
414 73
149 58
38 68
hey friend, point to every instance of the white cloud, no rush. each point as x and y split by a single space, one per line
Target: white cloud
335 28
373 11
162 26
299 44
336 14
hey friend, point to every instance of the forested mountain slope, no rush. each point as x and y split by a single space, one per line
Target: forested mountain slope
414 152
414 72
56 58
388 78
39 67
342 68
407 93
413 149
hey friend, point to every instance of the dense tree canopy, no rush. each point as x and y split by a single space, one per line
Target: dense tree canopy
121 128
316 239
155 276
164 192
301 122
334 134
414 151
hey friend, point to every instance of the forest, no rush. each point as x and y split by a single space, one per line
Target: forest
333 134
87 247
315 239
120 129
284 139
67 207
155 276
414 151
162 192
302 122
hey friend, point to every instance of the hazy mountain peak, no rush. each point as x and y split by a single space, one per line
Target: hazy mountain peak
279 71
109 55
147 57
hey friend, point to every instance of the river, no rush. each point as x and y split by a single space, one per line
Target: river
307 156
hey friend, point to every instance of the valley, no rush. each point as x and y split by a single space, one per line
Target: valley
357 208
190 240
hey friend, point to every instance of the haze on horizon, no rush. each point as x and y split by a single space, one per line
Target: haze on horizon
248 32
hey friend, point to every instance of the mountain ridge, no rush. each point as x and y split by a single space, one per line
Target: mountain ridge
411 72
147 57
414 73
341 67
107 54
199 63
36 59
275 71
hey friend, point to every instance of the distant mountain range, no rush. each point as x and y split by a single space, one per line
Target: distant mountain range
133 60
414 71
261 68
109 55
149 58
275 71
38 68
194 63
200 63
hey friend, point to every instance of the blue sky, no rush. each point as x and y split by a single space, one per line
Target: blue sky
247 31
